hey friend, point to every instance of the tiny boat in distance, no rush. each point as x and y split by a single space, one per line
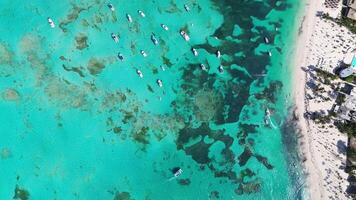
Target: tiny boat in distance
144 54
140 12
129 18
218 54
120 56
186 7
111 7
266 40
114 37
195 52
159 83
185 35
50 22
202 66
177 172
139 73
221 69
165 27
163 68
154 39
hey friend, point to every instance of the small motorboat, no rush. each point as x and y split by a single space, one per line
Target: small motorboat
159 83
266 40
163 68
202 66
195 52
129 18
143 53
139 73
154 39
165 27
114 37
269 53
177 171
140 12
185 35
218 54
120 56
186 7
50 22
221 69
111 7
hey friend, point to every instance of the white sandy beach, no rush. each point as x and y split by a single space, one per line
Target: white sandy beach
320 41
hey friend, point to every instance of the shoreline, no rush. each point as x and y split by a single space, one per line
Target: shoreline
319 146
306 26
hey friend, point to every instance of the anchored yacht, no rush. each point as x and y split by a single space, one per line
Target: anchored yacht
50 22
195 52
129 18
120 56
140 12
177 172
186 7
159 83
143 53
165 27
218 54
266 40
139 73
114 37
202 66
154 39
184 35
111 7
221 69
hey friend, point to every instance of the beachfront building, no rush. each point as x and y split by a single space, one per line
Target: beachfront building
333 7
347 110
350 61
349 9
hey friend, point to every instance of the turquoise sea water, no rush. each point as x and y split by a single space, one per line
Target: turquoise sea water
78 123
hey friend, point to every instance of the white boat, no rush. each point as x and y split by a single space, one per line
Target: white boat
139 73
178 172
221 69
120 56
159 83
269 53
114 37
165 27
195 52
186 7
154 39
111 7
129 18
202 66
268 113
50 22
185 35
143 53
140 12
266 40
218 54
163 68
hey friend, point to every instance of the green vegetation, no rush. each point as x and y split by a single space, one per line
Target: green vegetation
350 79
347 127
325 75
340 99
343 21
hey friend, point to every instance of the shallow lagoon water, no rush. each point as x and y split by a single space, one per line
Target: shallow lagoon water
78 123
